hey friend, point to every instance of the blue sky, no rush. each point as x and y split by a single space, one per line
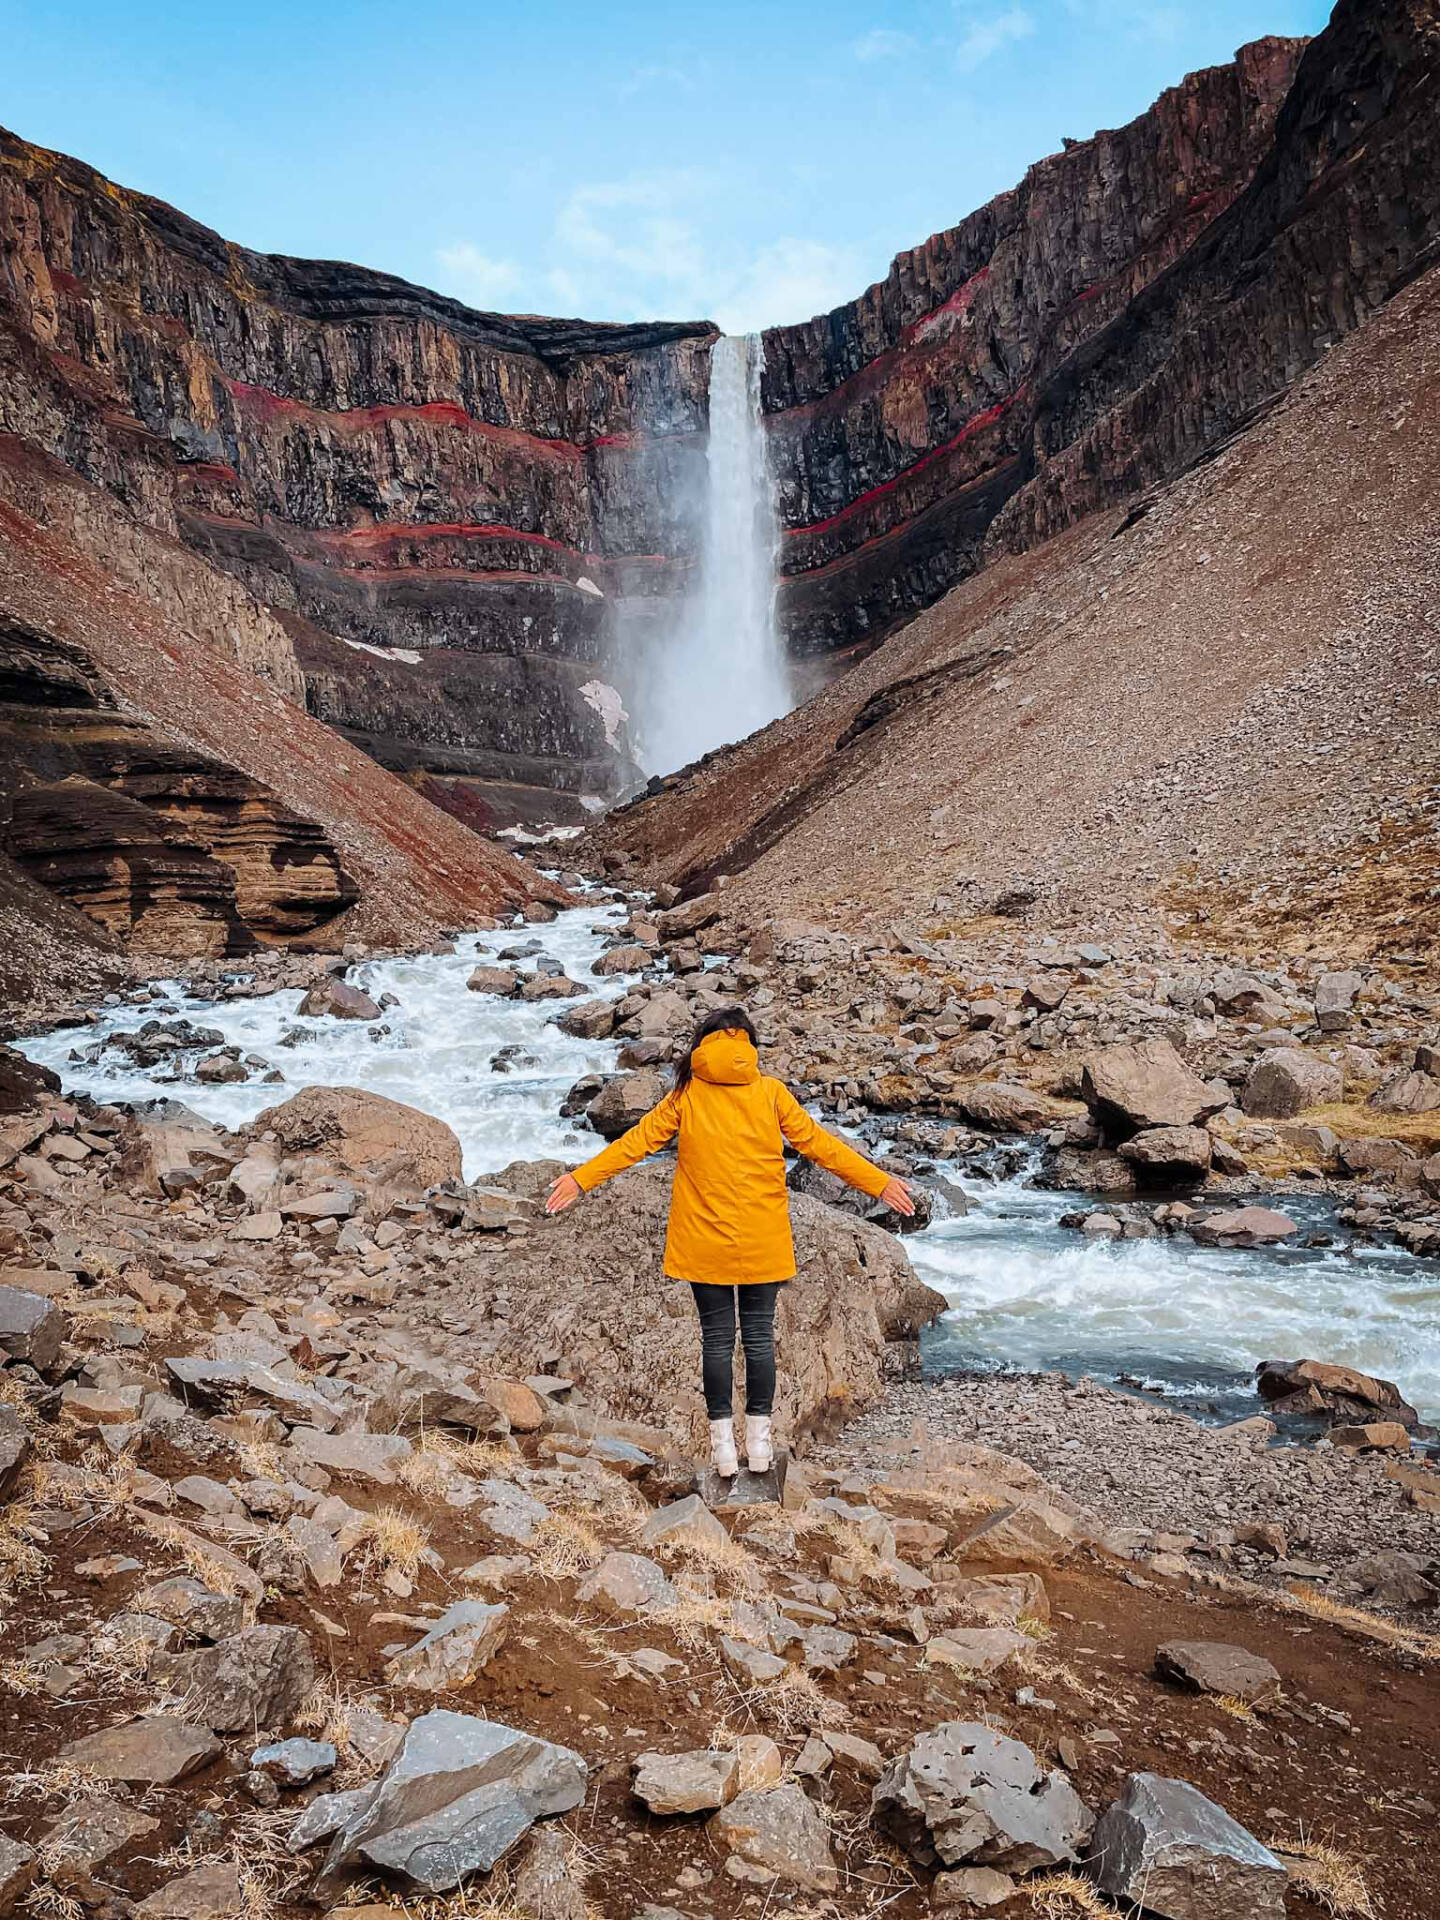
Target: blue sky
748 163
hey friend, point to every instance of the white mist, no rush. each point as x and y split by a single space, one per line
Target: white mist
723 674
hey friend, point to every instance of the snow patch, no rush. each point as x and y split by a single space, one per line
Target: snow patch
611 708
410 655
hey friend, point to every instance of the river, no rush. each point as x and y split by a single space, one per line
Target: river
1180 1320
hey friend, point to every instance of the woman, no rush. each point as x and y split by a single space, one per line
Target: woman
729 1226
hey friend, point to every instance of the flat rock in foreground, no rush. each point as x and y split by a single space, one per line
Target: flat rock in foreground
1166 1846
155 1750
963 1792
456 1797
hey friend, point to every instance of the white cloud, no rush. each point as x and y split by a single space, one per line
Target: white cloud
882 43
632 228
788 281
475 277
990 35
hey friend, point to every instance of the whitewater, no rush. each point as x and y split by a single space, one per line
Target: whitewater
1022 1292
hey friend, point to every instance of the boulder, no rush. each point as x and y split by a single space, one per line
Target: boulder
1172 1155
550 986
635 1342
778 1831
295 1763
1335 1000
974 1649
1214 1666
805 1177
679 923
1242 1227
494 980
1163 1845
627 1583
1412 1092
32 1328
368 1457
23 1082
1285 1081
1373 1436
1144 1085
622 960
695 1782
457 1796
462 1642
324 1816
1315 1386
966 1793
591 1020
626 1099
155 1750
258 1677
364 1133
1000 1107
338 999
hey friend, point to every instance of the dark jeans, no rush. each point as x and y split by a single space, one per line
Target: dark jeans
716 1307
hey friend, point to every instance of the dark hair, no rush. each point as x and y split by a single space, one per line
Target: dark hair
731 1020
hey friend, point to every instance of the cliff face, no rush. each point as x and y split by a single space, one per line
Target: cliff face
379 464
1127 307
454 516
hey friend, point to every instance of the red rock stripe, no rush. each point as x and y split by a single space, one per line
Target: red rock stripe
975 424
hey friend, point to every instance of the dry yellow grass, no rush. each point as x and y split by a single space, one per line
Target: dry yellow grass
1356 1120
726 1565
392 1541
1237 1708
1370 1626
1061 1896
795 1703
22 1562
1323 1873
565 1545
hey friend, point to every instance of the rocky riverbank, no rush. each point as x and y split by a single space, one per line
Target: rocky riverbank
334 1580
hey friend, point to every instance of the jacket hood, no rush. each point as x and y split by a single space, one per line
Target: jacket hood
726 1060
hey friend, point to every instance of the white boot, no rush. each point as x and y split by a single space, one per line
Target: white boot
722 1449
757 1442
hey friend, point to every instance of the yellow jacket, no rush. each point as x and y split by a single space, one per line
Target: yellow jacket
729 1206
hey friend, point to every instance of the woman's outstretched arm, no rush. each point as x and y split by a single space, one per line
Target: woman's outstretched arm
649 1134
807 1136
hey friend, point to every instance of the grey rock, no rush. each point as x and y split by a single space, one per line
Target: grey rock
1145 1085
547 1885
965 1793
697 1782
257 1678
627 1583
1335 999
91 1831
971 1887
190 1605
625 1099
457 1797
1412 1092
1165 1845
462 1642
778 1831
14 1449
325 1815
18 1867
212 1892
32 1328
1214 1666
687 1519
295 1763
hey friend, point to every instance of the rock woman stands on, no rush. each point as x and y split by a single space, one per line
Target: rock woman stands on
729 1231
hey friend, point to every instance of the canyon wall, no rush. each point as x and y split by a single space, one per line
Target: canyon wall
455 517
383 468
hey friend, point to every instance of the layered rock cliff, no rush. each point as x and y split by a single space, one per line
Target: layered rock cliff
464 494
458 517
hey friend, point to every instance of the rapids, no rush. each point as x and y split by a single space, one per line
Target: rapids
1023 1292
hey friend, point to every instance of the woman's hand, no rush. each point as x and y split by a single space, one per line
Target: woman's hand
567 1190
897 1198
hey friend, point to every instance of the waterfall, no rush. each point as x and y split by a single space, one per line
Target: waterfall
723 674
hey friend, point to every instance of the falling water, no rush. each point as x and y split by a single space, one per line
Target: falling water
724 674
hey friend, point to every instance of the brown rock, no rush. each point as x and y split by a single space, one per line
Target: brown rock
153 1750
364 1133
778 1830
1285 1081
1144 1085
340 1000
1214 1666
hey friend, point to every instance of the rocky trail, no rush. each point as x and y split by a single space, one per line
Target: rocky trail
356 1547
